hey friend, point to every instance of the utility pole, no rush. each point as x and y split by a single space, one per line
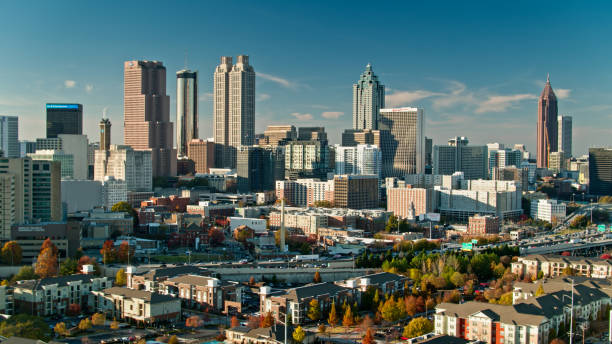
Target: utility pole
571 333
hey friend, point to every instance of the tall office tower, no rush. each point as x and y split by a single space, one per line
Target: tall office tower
46 191
91 158
72 150
459 156
234 108
564 140
21 169
504 158
428 151
124 163
258 168
312 134
547 125
600 171
202 153
362 159
105 134
64 119
278 135
9 136
307 159
356 191
186 109
368 99
26 147
352 137
7 205
403 141
146 114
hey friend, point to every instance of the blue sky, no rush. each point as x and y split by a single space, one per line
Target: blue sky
476 67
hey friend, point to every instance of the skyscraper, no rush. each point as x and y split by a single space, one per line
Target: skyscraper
105 134
459 156
9 136
402 141
234 108
186 109
564 140
64 119
600 171
368 99
146 111
547 125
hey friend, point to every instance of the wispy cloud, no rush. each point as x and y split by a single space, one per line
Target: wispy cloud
562 93
208 96
501 103
318 106
332 114
89 88
400 98
69 83
277 79
263 97
302 116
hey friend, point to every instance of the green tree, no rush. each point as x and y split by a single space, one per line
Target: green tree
332 318
11 253
314 310
417 327
299 334
26 326
125 207
392 310
26 272
121 278
68 267
457 279
392 224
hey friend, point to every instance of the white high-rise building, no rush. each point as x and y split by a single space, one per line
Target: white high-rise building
233 108
113 191
9 136
186 109
125 164
368 99
68 144
564 141
548 210
402 141
361 159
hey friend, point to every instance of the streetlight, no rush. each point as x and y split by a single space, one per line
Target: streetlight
571 331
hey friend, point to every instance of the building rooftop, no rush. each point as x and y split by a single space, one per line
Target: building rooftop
60 281
312 290
521 314
139 294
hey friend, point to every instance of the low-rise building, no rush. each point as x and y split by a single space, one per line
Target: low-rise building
548 210
65 235
202 292
151 279
555 265
482 225
138 306
53 295
263 335
387 282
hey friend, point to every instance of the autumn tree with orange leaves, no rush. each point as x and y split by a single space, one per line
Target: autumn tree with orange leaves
46 263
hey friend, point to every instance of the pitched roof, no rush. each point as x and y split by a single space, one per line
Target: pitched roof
192 279
383 277
60 281
139 294
567 259
312 290
444 339
522 314
275 333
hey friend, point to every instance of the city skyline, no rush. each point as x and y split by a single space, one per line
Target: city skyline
466 87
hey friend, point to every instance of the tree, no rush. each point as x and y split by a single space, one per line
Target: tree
417 327
108 252
73 309
457 279
85 324
299 334
194 321
234 322
126 208
540 290
125 252
11 253
114 325
557 341
314 310
392 224
410 305
25 326
98 319
369 337
216 237
317 277
86 260
25 273
392 311
68 267
49 244
267 321
322 328
332 318
173 340
323 204
46 263
348 319
60 329
252 280
121 277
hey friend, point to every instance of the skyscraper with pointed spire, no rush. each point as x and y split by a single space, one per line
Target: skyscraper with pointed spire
368 99
547 125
